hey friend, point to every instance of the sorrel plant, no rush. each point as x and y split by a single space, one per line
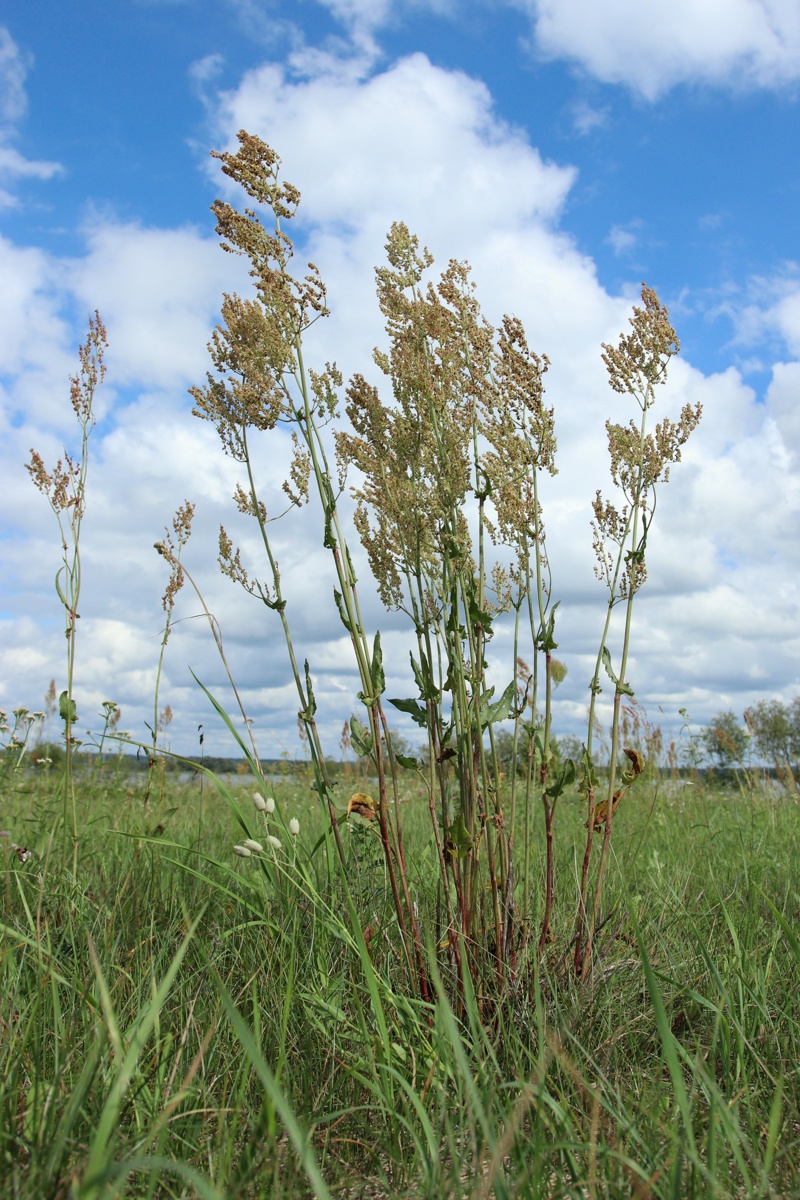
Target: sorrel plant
448 510
64 487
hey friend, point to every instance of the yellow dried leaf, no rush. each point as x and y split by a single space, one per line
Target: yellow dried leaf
600 811
636 761
363 806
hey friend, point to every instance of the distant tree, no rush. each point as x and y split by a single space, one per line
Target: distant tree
504 747
569 746
775 728
724 740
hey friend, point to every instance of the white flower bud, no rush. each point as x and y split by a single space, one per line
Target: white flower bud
269 806
294 827
260 802
274 842
256 847
242 851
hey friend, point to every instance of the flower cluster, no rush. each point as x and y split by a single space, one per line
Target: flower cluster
266 806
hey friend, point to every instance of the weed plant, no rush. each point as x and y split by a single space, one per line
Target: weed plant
451 463
377 996
64 486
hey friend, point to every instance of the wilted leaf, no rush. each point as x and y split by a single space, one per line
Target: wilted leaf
378 677
600 811
363 806
636 761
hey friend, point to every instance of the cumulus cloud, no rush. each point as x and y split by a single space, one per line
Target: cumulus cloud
417 143
652 47
765 310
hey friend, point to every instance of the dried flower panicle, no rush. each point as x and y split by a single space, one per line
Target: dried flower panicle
639 460
640 360
170 548
466 419
63 484
256 382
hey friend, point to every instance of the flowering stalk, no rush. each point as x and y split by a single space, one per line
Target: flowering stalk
262 381
182 529
65 490
640 460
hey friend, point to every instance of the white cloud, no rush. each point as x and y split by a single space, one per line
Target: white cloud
13 105
585 118
424 145
624 238
13 69
158 291
766 310
652 46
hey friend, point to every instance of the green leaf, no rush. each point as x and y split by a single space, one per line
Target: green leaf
404 760
414 709
361 737
479 616
311 707
565 779
588 774
342 611
501 709
59 592
423 678
545 639
378 677
67 708
458 840
328 540
623 688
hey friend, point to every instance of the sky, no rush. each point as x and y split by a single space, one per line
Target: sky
568 149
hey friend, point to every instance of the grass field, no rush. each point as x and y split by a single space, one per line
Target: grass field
180 1021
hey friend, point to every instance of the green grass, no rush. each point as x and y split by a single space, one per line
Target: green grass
177 1021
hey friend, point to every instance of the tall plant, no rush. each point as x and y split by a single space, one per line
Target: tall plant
640 461
449 460
261 382
64 486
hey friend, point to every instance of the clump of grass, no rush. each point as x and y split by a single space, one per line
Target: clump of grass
181 1021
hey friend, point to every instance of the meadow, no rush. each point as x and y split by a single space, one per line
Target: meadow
432 972
181 1021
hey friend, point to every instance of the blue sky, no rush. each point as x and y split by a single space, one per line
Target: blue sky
568 148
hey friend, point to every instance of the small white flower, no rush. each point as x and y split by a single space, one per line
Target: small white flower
242 851
260 802
256 847
294 827
269 806
274 842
